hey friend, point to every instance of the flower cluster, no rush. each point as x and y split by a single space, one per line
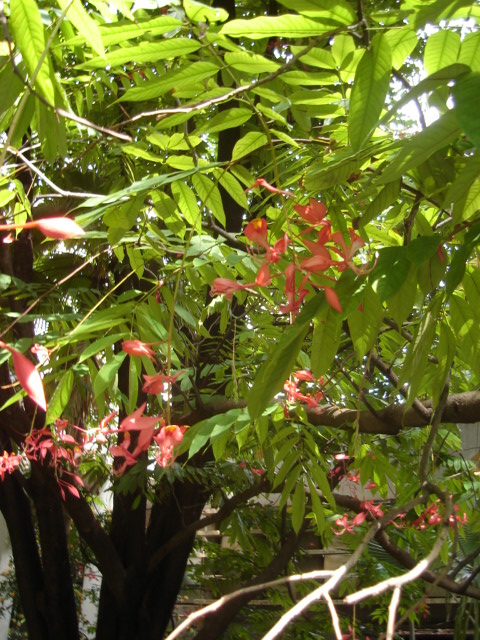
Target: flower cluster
8 463
294 394
432 516
326 250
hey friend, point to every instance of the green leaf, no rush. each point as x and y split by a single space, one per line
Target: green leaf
199 12
342 48
232 186
423 248
251 63
316 57
365 325
179 79
460 257
144 53
327 329
317 507
320 478
288 25
445 355
210 196
337 13
27 31
441 50
390 271
298 506
459 191
290 481
402 42
465 95
99 345
279 363
420 147
227 119
187 203
467 333
89 29
367 99
470 51
247 144
382 201
107 374
414 367
60 397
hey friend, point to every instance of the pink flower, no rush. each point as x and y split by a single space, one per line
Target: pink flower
304 375
359 518
294 302
261 182
278 249
372 508
156 384
321 261
8 463
167 439
347 253
314 213
227 287
144 425
138 348
332 299
27 376
256 231
344 524
57 228
263 278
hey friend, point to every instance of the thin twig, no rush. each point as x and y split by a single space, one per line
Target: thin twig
320 592
334 616
42 176
392 612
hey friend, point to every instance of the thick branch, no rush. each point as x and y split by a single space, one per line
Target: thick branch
459 408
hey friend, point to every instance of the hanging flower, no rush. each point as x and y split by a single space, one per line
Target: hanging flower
27 376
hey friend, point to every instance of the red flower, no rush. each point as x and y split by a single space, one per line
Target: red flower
156 384
138 348
372 508
294 302
27 376
263 278
256 231
304 375
261 182
57 228
332 299
8 463
144 425
314 213
168 437
347 253
344 524
227 287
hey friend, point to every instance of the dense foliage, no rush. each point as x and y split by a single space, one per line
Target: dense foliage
267 306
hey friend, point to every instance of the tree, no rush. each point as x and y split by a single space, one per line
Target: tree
271 286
